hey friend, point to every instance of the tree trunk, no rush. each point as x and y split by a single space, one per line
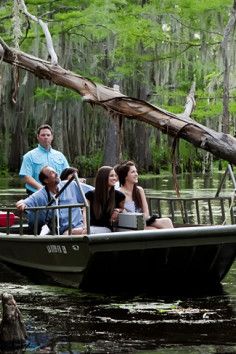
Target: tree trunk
12 329
112 149
226 58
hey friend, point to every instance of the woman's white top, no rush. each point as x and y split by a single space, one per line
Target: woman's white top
130 207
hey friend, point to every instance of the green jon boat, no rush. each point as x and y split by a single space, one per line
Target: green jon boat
197 253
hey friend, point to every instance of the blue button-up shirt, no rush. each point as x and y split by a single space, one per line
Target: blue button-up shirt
36 159
71 195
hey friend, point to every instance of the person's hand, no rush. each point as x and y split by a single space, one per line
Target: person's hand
77 231
21 205
82 180
114 215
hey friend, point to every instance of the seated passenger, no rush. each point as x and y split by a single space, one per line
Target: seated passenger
71 195
105 202
135 199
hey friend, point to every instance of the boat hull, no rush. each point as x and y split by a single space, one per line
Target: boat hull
60 259
156 260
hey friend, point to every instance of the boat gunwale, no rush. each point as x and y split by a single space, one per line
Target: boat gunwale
177 237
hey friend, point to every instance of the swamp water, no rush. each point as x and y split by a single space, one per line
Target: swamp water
62 320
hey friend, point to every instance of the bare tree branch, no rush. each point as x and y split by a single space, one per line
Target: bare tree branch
51 51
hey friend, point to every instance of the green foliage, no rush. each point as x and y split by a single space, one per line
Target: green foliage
136 29
3 164
88 165
190 159
219 165
201 6
161 155
55 93
3 169
158 47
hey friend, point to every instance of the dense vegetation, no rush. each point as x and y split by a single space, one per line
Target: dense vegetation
153 50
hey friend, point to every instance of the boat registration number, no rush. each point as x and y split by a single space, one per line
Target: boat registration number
60 249
56 249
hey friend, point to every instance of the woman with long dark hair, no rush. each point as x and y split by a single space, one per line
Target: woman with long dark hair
105 202
135 199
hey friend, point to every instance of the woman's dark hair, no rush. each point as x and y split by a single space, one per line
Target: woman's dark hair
66 172
122 171
104 198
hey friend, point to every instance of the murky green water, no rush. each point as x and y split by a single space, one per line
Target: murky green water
61 320
64 320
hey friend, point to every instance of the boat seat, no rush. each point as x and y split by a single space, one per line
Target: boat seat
14 229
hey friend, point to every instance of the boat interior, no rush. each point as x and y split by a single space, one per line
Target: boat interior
183 211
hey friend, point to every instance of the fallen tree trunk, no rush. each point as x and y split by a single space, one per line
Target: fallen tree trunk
219 144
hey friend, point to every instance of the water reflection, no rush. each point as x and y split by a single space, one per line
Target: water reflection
192 185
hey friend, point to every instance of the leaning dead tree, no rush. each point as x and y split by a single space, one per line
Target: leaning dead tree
177 125
181 125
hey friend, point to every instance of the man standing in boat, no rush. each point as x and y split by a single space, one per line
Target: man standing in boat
42 155
52 191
